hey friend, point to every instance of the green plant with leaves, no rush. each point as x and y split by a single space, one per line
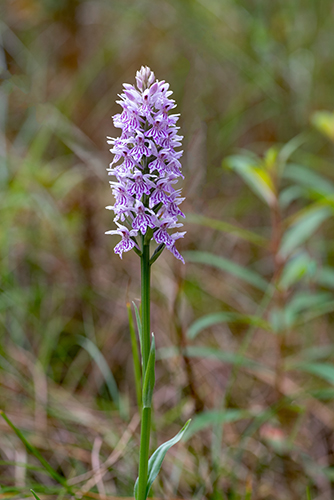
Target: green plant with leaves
291 298
246 75
146 165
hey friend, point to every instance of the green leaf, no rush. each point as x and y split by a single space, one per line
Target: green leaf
211 353
155 462
214 417
270 158
225 356
36 496
224 317
321 310
157 252
290 147
226 227
324 122
149 379
315 353
226 265
139 327
296 268
306 301
135 355
302 308
324 394
325 277
257 178
278 320
322 370
303 228
306 177
289 195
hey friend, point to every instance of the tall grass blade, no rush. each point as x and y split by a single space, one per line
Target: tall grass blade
214 417
322 370
36 496
225 317
228 266
103 366
36 453
226 227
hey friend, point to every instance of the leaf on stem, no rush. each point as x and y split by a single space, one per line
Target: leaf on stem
157 252
324 122
155 462
303 228
135 355
302 308
149 378
299 266
139 326
255 175
310 179
291 146
290 194
325 277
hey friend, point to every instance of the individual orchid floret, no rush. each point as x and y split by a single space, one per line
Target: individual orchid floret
144 218
140 148
146 166
127 243
139 184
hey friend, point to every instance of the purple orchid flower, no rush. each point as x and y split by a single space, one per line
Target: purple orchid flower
146 165
127 243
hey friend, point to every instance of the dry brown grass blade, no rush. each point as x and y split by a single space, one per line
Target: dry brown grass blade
96 475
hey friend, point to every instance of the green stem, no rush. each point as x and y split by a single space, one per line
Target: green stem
146 342
144 452
145 304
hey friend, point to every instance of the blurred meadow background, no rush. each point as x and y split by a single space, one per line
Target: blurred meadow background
245 329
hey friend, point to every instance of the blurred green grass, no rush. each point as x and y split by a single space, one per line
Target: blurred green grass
247 76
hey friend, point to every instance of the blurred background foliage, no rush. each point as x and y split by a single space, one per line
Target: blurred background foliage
245 328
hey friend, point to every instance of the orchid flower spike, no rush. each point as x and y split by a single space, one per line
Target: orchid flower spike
146 165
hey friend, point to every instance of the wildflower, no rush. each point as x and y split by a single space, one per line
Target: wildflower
146 165
127 242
